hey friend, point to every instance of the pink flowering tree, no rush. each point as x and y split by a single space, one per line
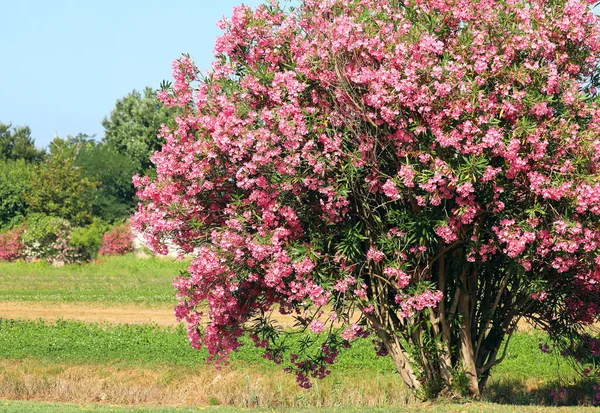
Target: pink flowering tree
424 171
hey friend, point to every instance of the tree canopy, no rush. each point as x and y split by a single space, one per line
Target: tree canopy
15 182
430 166
134 124
16 143
59 188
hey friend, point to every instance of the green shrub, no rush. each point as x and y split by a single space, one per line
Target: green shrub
87 240
15 181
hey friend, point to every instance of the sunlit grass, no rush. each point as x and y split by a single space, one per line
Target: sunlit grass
160 358
122 279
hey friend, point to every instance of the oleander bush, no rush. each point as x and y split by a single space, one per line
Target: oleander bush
117 240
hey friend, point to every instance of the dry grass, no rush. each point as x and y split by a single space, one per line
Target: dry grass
31 380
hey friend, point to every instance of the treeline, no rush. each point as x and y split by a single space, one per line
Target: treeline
71 201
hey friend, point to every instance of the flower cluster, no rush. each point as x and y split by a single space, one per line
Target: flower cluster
11 246
117 241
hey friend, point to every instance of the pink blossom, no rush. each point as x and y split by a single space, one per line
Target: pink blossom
316 326
539 296
446 234
390 190
117 241
401 277
375 255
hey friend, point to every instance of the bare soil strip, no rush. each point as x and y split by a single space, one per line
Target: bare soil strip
88 312
115 313
102 313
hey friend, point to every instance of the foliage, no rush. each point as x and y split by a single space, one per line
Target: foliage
433 166
47 238
11 247
114 198
134 124
87 240
114 195
15 182
16 144
59 189
118 240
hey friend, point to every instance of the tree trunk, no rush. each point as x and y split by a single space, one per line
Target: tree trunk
466 345
402 361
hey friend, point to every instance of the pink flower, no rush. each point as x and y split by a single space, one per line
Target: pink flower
316 326
407 174
11 247
446 234
539 296
117 241
390 190
375 255
401 277
352 332
303 267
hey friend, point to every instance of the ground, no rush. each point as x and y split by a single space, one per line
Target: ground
106 334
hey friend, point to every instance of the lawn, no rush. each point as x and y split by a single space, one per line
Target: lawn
130 364
121 279
151 345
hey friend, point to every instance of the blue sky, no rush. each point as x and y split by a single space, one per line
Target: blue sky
66 62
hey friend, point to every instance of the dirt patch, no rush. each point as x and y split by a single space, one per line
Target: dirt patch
88 312
102 313
120 313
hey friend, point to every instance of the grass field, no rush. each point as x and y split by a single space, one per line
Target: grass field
122 279
150 345
148 364
28 407
130 364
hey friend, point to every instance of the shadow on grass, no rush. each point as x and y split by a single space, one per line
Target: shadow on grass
532 392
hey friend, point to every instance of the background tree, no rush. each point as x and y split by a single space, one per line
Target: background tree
15 182
59 188
114 196
431 166
134 124
16 143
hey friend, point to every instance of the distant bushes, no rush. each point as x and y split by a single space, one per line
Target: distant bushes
11 247
54 239
47 238
117 240
88 240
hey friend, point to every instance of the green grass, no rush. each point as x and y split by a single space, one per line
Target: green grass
166 348
525 360
128 280
122 279
151 345
140 345
37 407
